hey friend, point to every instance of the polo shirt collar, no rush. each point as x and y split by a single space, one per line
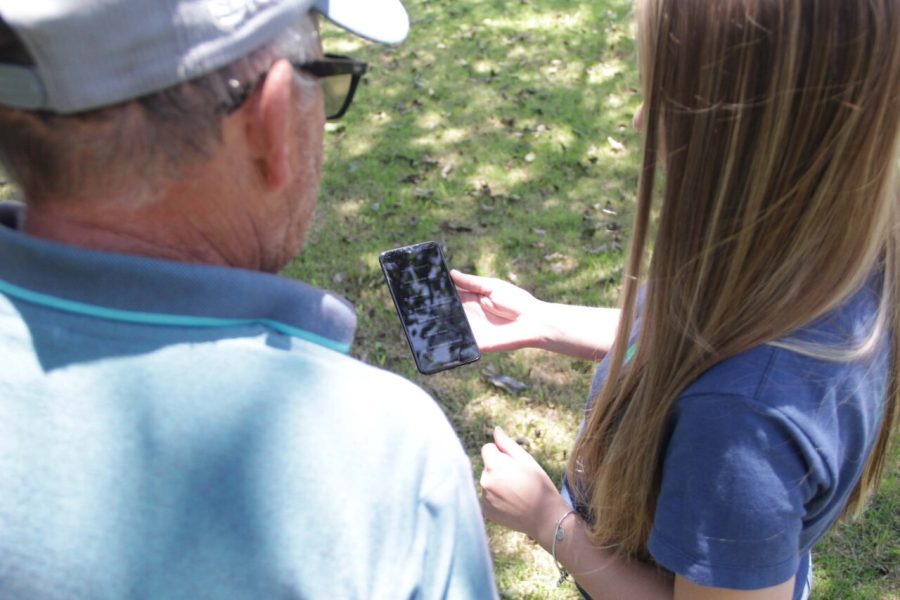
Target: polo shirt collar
155 291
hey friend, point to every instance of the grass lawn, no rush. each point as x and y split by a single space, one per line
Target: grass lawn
503 131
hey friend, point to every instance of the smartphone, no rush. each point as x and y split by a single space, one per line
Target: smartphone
432 316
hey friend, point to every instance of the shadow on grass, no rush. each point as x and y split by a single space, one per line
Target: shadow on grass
501 131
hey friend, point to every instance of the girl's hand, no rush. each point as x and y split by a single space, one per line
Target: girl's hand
502 315
517 492
506 317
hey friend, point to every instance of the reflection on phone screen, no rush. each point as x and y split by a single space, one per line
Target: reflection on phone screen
429 309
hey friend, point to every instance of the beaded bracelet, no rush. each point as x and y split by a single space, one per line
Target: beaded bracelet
559 535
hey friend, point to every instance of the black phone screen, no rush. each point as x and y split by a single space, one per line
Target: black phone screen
432 316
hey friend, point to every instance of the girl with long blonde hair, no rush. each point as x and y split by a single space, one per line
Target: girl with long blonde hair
748 392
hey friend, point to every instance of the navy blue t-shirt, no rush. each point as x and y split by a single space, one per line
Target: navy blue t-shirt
762 452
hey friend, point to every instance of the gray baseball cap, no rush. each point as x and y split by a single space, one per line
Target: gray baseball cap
93 53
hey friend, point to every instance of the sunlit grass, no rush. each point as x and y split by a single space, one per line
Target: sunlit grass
504 132
487 131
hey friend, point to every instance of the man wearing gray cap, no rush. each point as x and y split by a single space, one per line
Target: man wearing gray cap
176 421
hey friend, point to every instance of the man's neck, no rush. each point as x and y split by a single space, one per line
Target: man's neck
115 233
185 225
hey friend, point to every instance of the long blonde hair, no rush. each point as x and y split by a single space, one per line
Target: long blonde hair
780 122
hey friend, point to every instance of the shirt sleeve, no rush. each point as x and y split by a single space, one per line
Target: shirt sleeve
456 561
733 490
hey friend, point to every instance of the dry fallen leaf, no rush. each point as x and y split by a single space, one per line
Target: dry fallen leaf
615 144
504 382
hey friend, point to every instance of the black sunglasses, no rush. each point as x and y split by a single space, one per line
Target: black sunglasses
339 77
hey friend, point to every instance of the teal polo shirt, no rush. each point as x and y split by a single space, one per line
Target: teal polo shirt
170 430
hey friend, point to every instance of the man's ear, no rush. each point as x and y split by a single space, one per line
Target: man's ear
269 124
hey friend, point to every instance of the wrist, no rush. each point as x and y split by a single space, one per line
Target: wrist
547 517
559 537
547 332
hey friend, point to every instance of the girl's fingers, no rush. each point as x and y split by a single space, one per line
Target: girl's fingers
490 454
472 283
508 445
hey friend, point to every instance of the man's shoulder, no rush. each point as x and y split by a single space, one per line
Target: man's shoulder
343 371
366 395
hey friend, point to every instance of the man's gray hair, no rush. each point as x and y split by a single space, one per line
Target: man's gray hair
144 141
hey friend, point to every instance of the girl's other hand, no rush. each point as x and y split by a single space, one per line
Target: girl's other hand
517 492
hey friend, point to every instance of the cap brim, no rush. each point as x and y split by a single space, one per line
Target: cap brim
382 21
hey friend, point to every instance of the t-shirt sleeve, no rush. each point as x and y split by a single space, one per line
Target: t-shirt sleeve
735 481
456 562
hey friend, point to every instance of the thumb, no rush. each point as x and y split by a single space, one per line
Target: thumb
508 445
